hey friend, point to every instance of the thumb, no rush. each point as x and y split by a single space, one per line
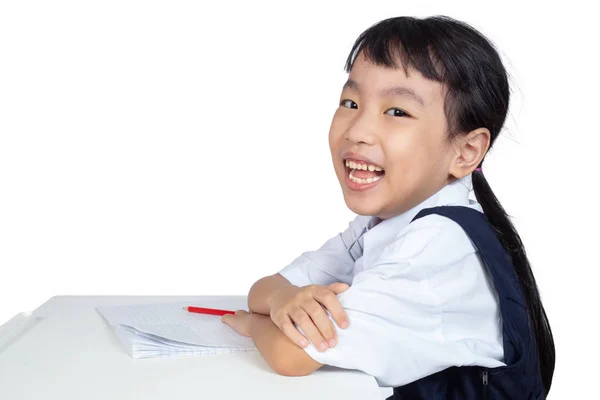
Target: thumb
338 287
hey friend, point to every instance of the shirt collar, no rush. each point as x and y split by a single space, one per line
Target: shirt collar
382 232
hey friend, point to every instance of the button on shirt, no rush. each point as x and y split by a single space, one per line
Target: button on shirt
419 300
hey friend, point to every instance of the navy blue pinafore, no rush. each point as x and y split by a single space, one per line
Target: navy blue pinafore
520 378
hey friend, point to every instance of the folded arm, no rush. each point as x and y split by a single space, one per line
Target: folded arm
282 355
396 308
261 293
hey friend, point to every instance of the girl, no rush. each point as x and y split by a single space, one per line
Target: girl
428 291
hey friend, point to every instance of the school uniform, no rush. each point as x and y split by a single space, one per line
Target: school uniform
425 314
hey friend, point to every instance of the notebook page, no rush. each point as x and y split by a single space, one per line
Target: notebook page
170 321
142 339
140 346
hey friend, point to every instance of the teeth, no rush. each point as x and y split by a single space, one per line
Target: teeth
363 181
364 167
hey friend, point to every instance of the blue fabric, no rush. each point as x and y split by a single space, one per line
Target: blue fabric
520 378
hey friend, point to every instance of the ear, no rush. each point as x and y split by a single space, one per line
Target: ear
469 151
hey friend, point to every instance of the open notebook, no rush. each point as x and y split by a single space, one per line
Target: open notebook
166 330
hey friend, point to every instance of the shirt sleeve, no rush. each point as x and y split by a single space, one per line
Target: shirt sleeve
396 307
333 262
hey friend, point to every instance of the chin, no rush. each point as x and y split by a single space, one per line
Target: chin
360 207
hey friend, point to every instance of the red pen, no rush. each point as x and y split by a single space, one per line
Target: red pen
212 311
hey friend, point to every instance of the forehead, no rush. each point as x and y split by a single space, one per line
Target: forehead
379 81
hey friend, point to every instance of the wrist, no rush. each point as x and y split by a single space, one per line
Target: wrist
276 293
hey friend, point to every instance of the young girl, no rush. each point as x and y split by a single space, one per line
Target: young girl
428 291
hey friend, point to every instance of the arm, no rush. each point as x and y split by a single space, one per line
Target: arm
282 355
261 293
396 306
374 331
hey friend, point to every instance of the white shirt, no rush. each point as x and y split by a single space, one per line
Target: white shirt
420 300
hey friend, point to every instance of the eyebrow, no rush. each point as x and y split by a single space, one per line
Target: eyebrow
395 91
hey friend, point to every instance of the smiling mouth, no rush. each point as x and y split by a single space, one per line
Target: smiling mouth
362 175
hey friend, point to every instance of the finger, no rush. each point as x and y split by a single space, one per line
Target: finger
322 322
299 316
228 319
288 328
328 299
338 287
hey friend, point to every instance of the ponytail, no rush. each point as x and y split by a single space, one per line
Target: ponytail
511 241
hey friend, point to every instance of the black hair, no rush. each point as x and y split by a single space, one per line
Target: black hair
455 54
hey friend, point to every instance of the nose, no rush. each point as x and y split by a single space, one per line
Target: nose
360 131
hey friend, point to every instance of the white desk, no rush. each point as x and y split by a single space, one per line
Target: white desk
71 353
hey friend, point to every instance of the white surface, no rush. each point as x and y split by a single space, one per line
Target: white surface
181 147
15 327
72 354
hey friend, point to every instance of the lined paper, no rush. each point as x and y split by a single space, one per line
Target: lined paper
164 330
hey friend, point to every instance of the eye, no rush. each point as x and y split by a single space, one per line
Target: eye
345 101
398 112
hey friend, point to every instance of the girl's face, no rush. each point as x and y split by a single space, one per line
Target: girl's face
395 123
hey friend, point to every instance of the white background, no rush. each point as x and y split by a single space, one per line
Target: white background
178 148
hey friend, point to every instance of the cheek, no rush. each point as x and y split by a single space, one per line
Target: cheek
336 138
404 151
410 158
335 147
331 139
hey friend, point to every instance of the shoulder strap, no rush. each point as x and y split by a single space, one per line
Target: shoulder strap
516 327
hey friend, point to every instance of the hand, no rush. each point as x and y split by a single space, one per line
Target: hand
304 306
240 322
